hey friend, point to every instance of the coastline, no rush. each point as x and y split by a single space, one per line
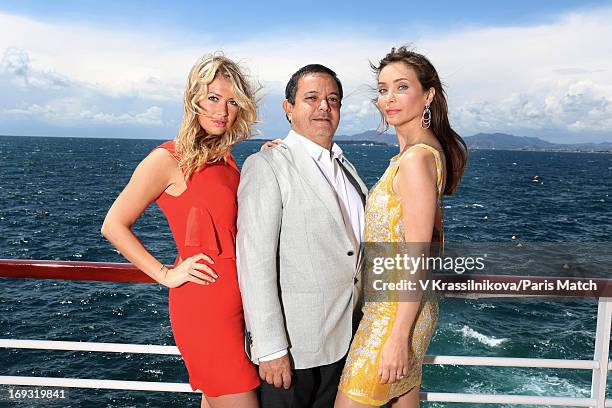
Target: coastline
527 149
363 142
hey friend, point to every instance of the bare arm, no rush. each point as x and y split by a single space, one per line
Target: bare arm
152 177
416 185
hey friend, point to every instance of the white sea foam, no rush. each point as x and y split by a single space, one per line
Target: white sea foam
540 385
490 341
482 306
552 385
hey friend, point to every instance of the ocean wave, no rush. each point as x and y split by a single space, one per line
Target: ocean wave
490 341
551 385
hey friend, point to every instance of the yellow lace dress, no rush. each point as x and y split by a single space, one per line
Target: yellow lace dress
383 223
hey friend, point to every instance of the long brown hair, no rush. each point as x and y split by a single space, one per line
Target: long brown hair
453 145
194 146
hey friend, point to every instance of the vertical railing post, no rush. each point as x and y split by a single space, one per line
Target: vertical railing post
602 351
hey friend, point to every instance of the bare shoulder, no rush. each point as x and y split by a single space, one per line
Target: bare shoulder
417 159
159 161
159 165
161 157
417 170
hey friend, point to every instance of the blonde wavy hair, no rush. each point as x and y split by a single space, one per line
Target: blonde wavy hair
194 146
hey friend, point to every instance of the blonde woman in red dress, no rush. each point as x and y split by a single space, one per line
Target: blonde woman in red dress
194 180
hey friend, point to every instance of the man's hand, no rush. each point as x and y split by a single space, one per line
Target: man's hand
270 144
276 372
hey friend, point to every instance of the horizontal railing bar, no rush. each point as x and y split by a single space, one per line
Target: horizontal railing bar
91 383
173 350
72 270
182 387
506 399
124 272
89 346
513 362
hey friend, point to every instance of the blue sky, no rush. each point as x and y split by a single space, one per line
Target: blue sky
116 69
235 18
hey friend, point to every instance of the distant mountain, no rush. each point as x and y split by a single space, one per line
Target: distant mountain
499 141
505 142
370 135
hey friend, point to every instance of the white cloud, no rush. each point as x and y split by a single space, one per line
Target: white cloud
359 110
69 111
574 106
553 77
69 103
16 65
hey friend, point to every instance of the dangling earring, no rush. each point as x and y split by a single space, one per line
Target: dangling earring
426 118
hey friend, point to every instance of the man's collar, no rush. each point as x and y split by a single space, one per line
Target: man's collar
313 149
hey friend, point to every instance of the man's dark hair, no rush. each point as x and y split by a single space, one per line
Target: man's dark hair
291 88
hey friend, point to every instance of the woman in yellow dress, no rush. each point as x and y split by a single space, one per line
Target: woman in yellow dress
384 362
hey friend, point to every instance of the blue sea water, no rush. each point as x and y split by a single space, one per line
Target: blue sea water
54 193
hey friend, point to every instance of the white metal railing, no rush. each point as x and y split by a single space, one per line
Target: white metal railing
602 352
85 346
600 365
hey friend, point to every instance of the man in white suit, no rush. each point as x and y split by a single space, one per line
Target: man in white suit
300 223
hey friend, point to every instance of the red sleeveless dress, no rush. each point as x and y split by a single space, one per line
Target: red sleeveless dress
207 320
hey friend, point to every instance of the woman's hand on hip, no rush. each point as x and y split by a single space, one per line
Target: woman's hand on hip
190 270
